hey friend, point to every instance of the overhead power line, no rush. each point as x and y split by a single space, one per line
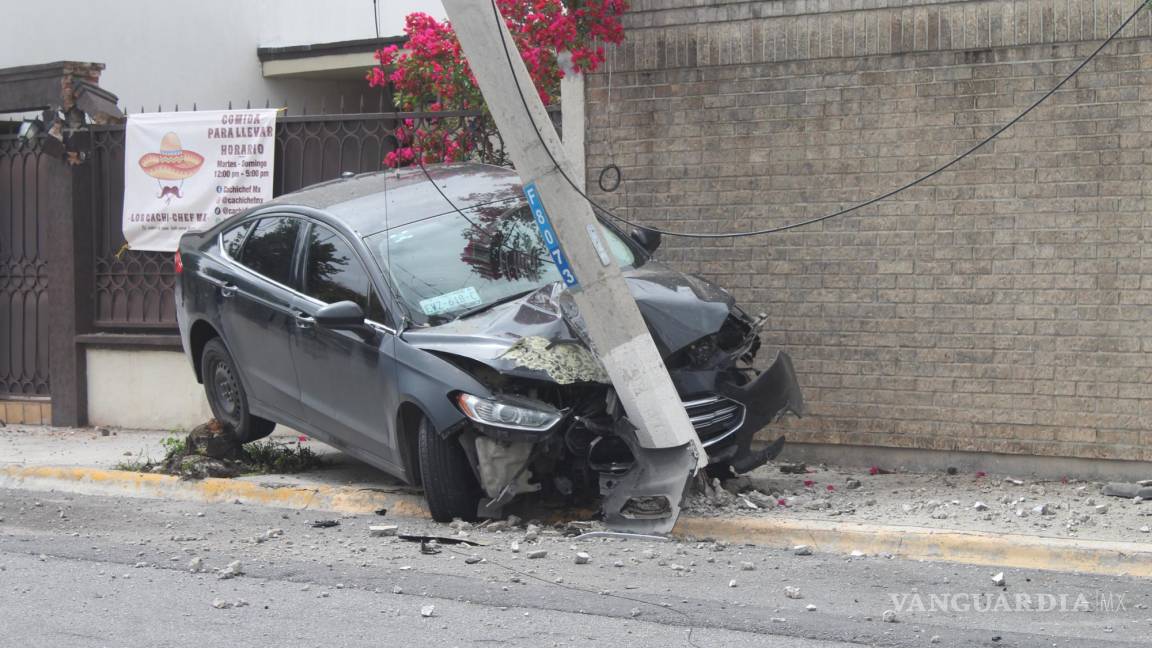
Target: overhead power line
847 210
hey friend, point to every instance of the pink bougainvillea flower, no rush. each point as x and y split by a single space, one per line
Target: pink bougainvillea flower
429 73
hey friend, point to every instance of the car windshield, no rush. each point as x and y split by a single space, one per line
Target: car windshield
457 264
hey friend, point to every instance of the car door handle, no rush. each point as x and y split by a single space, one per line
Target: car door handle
227 289
304 321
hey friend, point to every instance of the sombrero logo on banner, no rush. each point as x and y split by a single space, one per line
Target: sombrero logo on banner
187 171
170 164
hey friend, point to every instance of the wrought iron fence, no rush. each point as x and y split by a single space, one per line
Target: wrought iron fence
134 290
23 269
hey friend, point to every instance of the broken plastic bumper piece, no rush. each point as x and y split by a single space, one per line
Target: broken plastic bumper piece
766 399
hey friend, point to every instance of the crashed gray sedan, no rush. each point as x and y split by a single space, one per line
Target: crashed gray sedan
423 329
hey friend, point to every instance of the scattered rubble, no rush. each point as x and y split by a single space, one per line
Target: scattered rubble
381 530
234 569
998 579
792 592
802 550
1128 491
889 616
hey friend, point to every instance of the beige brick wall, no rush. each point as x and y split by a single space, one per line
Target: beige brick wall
1005 306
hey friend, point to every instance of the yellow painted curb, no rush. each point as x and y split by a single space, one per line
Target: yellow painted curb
915 543
120 483
920 543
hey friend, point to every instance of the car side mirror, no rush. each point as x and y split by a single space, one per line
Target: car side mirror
648 239
343 315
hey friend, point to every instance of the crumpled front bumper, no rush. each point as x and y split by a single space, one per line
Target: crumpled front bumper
766 398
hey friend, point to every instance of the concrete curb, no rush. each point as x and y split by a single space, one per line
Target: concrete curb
119 483
915 543
944 545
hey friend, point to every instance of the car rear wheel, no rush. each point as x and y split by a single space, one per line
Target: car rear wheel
226 394
449 483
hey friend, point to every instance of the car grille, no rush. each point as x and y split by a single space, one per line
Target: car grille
714 417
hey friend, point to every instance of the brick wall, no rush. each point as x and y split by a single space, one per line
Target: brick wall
1005 306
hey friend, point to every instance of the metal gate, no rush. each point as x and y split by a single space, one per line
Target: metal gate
23 270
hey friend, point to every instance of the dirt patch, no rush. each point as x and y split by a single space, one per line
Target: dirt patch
211 450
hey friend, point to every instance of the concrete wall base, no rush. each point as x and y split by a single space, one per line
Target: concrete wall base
144 389
913 460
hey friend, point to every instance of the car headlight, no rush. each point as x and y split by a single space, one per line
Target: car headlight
508 412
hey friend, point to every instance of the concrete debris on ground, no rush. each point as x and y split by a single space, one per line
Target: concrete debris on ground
234 569
802 550
889 616
582 558
221 604
964 501
998 579
792 592
428 610
1128 491
382 530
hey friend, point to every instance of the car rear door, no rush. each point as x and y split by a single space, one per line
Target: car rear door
257 315
346 384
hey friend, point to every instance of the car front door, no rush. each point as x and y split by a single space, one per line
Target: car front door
346 384
257 316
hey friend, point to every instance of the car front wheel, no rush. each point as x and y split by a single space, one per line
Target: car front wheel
226 394
449 483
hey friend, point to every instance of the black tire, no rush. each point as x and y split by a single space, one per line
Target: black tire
449 484
226 394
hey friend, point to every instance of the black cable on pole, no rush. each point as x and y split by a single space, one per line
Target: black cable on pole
818 219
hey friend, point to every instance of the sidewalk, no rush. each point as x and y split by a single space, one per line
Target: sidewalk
971 518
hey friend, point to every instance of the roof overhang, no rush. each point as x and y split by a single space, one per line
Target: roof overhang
340 60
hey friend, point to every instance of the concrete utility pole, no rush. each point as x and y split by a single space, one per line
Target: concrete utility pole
667 449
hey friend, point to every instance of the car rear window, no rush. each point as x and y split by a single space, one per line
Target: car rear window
233 238
269 248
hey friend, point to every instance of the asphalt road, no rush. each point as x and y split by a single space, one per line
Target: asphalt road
88 571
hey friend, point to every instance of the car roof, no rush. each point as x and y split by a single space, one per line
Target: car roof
368 203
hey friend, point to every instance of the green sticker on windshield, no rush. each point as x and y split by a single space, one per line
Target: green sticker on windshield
455 300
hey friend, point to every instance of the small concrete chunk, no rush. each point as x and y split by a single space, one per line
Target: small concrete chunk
802 550
381 530
582 558
889 616
537 553
427 610
793 592
998 579
234 569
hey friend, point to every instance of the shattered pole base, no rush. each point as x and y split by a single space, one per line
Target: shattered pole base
646 499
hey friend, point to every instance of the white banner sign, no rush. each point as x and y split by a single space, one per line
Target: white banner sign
188 171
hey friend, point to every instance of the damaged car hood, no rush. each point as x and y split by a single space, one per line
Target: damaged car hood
532 336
